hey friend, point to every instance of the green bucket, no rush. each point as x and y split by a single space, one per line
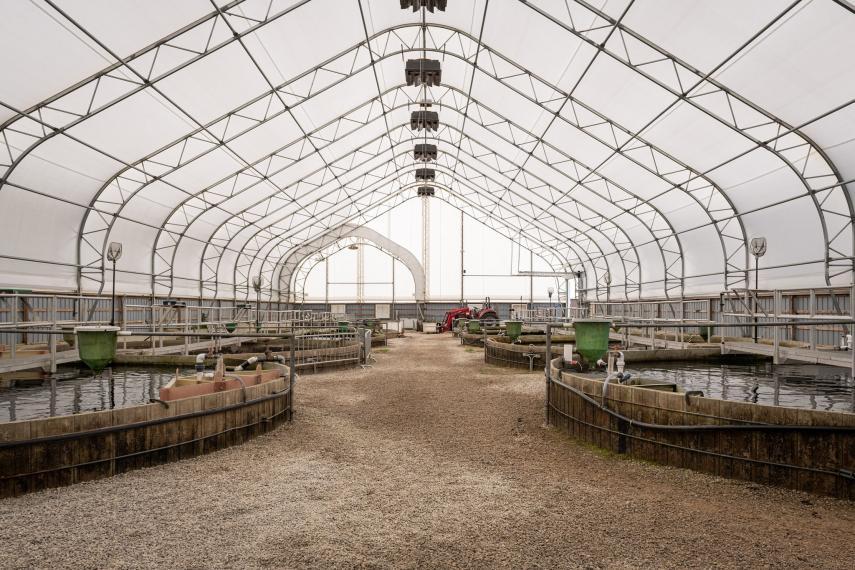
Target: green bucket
592 338
96 345
231 327
473 326
343 326
513 329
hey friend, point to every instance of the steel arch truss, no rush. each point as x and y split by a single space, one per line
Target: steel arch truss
289 272
820 178
502 190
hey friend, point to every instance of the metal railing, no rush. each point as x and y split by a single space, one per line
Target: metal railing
30 319
315 349
810 310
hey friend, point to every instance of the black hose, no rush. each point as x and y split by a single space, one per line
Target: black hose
703 427
137 425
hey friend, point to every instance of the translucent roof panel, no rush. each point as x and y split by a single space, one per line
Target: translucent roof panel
642 143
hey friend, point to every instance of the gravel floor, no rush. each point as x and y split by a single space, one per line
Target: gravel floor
431 458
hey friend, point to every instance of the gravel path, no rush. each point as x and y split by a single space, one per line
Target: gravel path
430 459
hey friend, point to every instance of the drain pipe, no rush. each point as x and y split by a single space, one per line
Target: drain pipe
246 363
200 367
613 373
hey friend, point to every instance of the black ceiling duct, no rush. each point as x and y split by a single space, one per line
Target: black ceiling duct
425 174
424 120
429 4
425 152
423 71
425 191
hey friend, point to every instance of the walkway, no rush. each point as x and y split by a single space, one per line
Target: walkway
430 459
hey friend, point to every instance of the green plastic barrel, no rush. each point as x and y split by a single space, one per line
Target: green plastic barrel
343 326
473 326
513 329
592 338
96 345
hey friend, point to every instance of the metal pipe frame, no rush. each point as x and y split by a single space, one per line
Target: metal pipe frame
307 264
751 116
290 275
174 235
451 200
447 197
792 142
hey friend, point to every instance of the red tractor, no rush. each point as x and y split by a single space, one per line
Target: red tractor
487 315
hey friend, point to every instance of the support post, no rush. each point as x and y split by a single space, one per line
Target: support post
186 310
531 280
548 370
292 371
151 313
812 308
52 339
113 298
852 350
462 270
15 325
567 298
756 294
776 349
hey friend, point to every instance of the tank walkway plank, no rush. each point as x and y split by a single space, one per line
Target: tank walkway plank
842 359
70 356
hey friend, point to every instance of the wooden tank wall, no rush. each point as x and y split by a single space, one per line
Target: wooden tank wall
513 355
51 452
812 451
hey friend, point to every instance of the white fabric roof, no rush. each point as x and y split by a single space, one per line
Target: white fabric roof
642 142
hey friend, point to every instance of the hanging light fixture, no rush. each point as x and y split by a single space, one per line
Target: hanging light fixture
423 72
425 191
425 152
425 174
428 120
429 4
